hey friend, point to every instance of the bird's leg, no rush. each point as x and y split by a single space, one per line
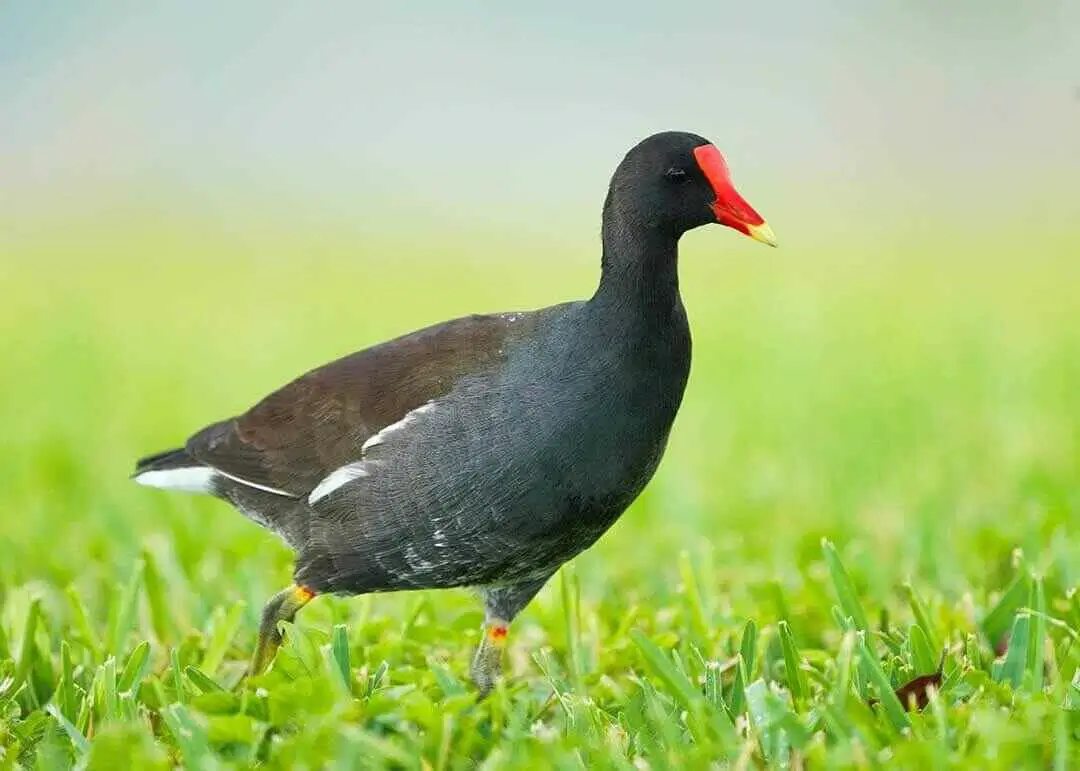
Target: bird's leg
283 606
487 663
501 605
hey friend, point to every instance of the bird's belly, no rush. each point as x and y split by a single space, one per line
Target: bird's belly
446 510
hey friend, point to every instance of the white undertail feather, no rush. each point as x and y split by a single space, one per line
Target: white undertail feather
195 479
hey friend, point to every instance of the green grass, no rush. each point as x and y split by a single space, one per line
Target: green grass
877 461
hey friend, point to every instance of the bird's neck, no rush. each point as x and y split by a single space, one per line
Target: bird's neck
639 269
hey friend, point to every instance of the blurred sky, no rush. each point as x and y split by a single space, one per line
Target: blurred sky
516 113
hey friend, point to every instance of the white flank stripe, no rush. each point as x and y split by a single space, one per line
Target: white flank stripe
255 485
383 435
345 474
196 479
336 479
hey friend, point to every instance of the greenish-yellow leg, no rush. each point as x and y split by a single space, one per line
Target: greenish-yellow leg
487 663
283 606
501 606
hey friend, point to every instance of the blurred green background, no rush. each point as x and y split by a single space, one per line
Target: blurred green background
198 203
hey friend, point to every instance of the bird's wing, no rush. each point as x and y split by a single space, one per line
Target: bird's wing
316 425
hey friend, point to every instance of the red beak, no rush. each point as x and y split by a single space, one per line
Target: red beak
730 208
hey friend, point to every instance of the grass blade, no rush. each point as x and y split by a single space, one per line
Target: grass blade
157 598
767 717
796 679
339 647
201 680
109 700
225 626
375 679
135 668
368 749
1016 659
748 647
845 590
922 656
745 667
922 618
81 621
86 711
695 609
568 589
190 737
714 689
1061 740
997 622
1036 660
662 667
123 615
842 684
28 651
448 684
65 696
81 743
738 688
875 674
178 677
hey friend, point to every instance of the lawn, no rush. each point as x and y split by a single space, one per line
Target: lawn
874 478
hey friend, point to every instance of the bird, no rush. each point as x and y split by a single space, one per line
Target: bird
488 450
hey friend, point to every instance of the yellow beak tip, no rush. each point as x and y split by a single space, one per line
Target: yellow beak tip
762 233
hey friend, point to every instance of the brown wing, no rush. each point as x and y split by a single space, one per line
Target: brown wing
297 435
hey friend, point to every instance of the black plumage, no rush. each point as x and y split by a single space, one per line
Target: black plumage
488 450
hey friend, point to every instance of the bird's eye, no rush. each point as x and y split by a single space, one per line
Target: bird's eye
677 175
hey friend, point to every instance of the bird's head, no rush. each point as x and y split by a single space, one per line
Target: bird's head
676 181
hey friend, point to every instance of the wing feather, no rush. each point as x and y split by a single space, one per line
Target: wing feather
299 435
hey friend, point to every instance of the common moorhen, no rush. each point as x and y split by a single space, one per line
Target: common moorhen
488 450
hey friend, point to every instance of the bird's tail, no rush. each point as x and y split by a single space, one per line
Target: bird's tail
174 470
